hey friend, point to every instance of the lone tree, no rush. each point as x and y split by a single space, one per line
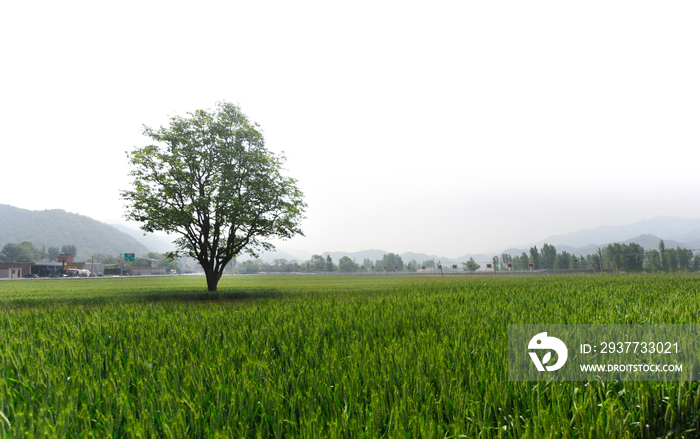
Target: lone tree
210 180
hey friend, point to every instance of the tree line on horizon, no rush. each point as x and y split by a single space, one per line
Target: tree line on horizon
630 257
618 257
319 264
26 251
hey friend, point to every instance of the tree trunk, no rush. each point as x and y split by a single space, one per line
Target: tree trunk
212 279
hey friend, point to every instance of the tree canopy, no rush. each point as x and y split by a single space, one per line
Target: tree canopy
210 180
345 264
11 252
70 249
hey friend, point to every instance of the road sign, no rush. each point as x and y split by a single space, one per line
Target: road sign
129 257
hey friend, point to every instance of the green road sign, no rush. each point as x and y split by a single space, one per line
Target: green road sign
129 257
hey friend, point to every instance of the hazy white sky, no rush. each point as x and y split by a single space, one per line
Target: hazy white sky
438 127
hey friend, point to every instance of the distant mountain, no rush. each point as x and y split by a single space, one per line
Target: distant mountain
689 237
55 228
650 242
693 245
664 226
154 242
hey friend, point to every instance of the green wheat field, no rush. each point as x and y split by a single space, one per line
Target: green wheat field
323 357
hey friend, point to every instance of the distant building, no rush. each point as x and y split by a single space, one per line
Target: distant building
13 270
41 269
97 269
145 270
66 258
44 269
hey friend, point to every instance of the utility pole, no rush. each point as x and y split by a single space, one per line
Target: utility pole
600 255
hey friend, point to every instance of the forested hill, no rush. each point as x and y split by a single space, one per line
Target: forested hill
56 228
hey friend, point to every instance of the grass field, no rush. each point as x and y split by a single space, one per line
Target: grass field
303 357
